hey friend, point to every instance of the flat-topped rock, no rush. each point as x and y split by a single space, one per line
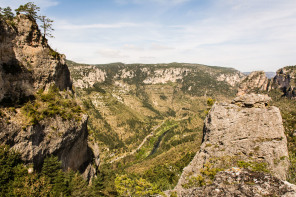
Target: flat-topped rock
252 100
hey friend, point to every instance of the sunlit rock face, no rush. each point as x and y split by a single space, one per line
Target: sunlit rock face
248 130
254 82
27 63
285 80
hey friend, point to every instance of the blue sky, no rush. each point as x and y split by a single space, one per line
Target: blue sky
244 34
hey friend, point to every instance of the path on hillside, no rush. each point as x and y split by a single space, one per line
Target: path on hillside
140 146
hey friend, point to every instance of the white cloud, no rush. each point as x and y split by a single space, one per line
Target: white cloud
162 2
248 35
98 26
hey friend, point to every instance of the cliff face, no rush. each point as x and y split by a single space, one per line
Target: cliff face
246 133
86 76
285 80
36 118
255 81
27 62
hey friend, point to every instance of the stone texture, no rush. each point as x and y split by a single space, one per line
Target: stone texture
247 129
244 183
285 80
27 63
255 81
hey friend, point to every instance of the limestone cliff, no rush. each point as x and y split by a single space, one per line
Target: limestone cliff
247 133
27 62
85 76
37 119
254 82
285 80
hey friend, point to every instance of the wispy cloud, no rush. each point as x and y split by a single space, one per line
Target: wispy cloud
97 26
163 2
248 35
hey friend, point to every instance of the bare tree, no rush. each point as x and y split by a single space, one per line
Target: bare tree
46 26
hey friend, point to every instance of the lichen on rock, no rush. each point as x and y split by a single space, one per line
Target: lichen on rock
247 133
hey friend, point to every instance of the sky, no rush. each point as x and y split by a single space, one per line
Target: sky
247 35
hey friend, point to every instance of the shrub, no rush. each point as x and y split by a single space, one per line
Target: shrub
51 104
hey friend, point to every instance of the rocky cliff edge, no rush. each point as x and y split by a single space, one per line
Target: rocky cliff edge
38 118
244 147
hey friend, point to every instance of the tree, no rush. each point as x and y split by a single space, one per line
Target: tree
127 186
6 13
46 26
29 9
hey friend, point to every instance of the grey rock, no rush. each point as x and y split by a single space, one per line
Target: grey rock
27 63
246 130
66 139
244 183
252 100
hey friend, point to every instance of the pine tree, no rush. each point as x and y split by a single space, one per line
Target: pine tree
46 25
29 9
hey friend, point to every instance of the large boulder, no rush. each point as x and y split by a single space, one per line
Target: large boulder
245 133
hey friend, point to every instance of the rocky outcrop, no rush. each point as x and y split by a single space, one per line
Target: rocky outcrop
28 66
244 183
51 136
254 82
231 79
245 133
285 80
27 63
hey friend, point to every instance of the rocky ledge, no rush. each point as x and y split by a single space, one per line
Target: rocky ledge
241 182
248 134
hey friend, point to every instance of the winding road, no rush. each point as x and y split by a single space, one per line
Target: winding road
142 143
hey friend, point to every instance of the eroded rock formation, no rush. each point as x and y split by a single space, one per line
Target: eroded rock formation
247 132
254 82
27 62
28 65
285 80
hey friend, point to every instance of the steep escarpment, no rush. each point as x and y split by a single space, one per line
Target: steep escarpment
254 82
27 62
246 134
39 114
190 76
285 81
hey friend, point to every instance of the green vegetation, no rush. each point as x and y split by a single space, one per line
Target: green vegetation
29 9
210 169
288 111
46 25
17 179
51 104
123 110
254 166
6 13
137 187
